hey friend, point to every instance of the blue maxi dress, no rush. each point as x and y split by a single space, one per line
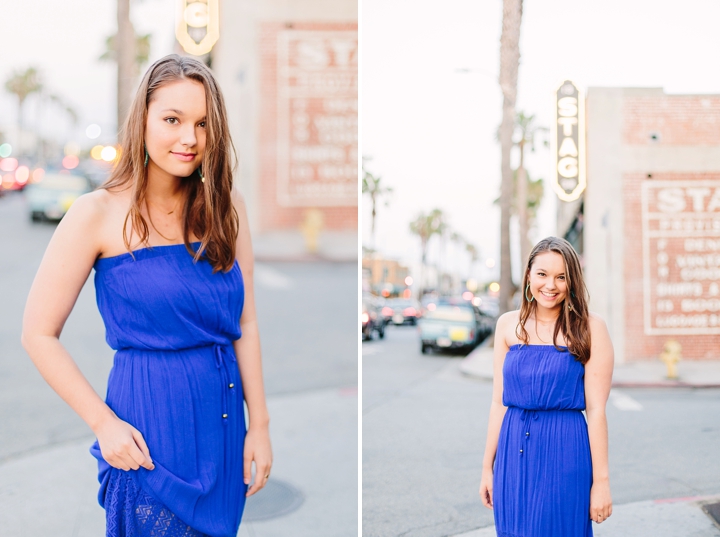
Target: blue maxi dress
175 378
543 469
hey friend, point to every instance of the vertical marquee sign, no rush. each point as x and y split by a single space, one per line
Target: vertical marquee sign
568 142
197 25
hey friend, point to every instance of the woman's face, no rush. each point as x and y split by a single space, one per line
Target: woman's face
175 129
548 281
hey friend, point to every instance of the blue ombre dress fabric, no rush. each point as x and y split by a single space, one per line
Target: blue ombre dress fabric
543 469
175 378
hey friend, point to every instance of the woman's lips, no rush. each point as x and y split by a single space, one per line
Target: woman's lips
546 297
185 157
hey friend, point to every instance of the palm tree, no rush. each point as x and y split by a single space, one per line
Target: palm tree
22 84
526 128
509 64
372 186
131 52
425 226
474 253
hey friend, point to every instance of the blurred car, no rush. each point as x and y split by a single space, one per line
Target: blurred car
448 327
403 310
370 321
54 194
380 304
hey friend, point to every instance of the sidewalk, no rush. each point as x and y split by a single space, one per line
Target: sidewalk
659 518
693 374
289 245
314 436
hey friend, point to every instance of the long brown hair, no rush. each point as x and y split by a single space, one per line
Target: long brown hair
209 212
573 318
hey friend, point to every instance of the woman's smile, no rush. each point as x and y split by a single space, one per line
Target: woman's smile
185 157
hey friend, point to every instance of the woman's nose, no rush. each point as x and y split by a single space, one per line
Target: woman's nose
188 136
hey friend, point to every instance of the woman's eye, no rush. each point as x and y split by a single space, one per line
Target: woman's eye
170 120
203 124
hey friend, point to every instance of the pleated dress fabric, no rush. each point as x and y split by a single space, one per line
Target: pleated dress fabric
543 470
175 378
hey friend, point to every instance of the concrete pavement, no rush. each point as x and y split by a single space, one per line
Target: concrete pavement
693 374
659 518
53 491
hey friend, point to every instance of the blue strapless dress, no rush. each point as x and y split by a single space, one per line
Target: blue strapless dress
175 378
543 469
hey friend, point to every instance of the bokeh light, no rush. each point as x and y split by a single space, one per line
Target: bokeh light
5 150
8 180
494 287
37 175
96 152
22 174
70 162
108 153
467 295
489 263
8 164
93 131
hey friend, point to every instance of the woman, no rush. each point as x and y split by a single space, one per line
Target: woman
176 295
545 470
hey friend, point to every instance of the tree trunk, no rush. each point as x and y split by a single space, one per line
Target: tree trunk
372 224
522 207
125 53
509 63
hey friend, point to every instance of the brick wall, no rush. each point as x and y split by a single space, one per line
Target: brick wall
277 212
680 120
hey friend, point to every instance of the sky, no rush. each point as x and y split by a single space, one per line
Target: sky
64 41
430 130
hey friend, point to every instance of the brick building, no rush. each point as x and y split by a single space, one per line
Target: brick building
289 74
648 223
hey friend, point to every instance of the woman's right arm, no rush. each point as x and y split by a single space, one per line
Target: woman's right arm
497 411
63 271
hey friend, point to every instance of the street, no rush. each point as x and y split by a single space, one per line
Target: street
308 332
424 428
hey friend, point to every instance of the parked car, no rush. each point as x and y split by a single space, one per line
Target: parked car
448 327
370 321
52 197
380 304
404 311
485 322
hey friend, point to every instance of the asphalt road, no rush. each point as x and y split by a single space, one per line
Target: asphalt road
424 427
306 313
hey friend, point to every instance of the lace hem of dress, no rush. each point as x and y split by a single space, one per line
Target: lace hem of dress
131 512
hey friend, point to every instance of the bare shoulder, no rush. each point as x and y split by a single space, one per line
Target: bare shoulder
597 325
85 218
505 328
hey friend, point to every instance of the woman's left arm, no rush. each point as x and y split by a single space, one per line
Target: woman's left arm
598 379
247 350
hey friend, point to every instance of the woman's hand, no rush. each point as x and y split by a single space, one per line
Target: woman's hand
486 488
122 445
257 448
600 501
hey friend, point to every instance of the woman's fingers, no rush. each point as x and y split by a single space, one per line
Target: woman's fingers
247 469
262 474
145 452
486 496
